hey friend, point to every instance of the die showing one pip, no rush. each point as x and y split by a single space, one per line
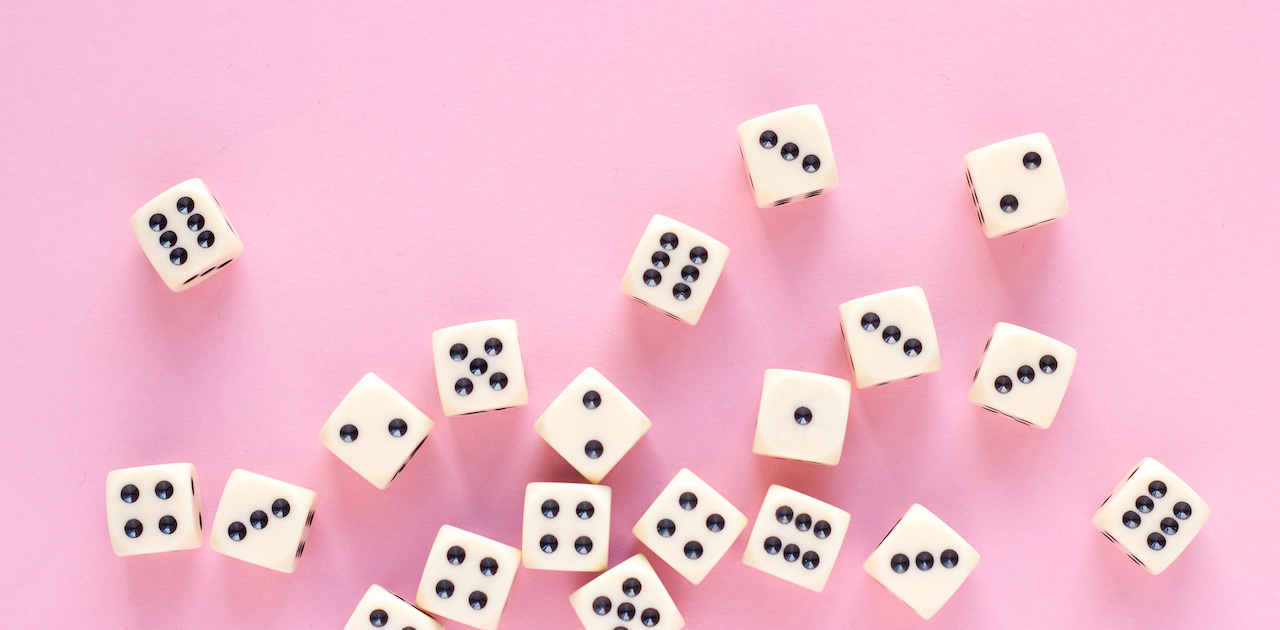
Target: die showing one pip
788 156
922 561
263 521
1152 515
375 430
467 578
889 336
629 595
690 525
479 367
1023 375
566 526
802 416
380 608
185 235
674 269
1016 184
796 537
151 509
592 425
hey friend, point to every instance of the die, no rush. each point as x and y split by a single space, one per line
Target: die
1152 515
796 537
479 367
690 525
788 156
263 521
380 608
566 526
1023 375
185 235
592 425
629 595
375 431
889 337
1015 184
467 578
674 269
802 416
150 510
905 562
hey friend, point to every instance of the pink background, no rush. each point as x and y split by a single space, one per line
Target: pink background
399 168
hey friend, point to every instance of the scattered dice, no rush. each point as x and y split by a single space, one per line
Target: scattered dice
675 269
796 537
803 416
566 526
1023 375
375 431
629 595
592 425
151 509
690 525
922 561
467 578
787 155
479 368
380 608
1152 516
1016 184
263 521
185 235
889 337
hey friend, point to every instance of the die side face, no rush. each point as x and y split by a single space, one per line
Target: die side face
889 337
674 269
796 537
467 578
592 425
479 367
151 509
803 416
263 521
185 235
566 527
1023 375
375 431
1016 184
629 595
690 526
1152 516
380 608
788 156
922 561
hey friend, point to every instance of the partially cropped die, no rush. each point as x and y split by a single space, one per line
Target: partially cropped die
690 525
375 430
380 608
674 269
788 156
1023 375
479 367
566 526
263 521
592 425
151 509
629 595
185 235
796 537
468 578
922 561
889 337
1016 184
1152 516
802 416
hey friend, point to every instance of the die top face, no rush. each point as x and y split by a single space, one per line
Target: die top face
380 608
796 537
803 416
1152 516
479 367
788 156
151 509
629 595
185 235
566 526
1016 184
592 425
1023 375
674 269
922 561
375 430
467 578
263 521
690 526
889 336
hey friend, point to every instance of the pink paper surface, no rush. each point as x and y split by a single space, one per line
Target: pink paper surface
400 167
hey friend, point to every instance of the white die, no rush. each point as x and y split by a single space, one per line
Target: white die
1016 184
185 235
922 561
1152 515
479 367
796 537
690 525
629 595
380 608
1023 375
468 578
566 526
375 430
592 425
802 416
788 156
151 509
674 269
889 336
263 521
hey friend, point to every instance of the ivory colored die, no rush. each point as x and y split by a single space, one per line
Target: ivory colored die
263 521
674 269
1152 515
468 578
566 526
690 525
592 425
788 156
479 367
922 561
1023 375
796 537
375 430
889 337
380 608
1016 184
802 416
629 595
151 509
185 235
